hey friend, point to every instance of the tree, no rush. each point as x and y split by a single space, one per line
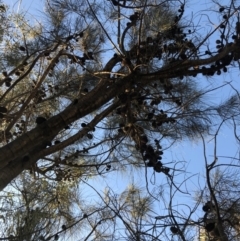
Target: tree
37 209
142 95
73 107
220 197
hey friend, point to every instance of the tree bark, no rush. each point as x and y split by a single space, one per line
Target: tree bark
32 143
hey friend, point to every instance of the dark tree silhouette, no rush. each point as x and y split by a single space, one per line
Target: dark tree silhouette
99 87
55 77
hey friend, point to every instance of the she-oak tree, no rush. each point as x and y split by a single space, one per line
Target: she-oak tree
97 88
62 108
53 76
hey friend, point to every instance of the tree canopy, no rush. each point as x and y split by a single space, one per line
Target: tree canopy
92 88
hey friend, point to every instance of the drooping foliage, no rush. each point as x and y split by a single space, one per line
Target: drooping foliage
92 88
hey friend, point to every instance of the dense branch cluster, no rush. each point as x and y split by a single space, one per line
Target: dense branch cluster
109 88
154 95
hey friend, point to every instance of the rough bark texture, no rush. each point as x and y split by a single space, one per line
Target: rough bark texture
34 141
